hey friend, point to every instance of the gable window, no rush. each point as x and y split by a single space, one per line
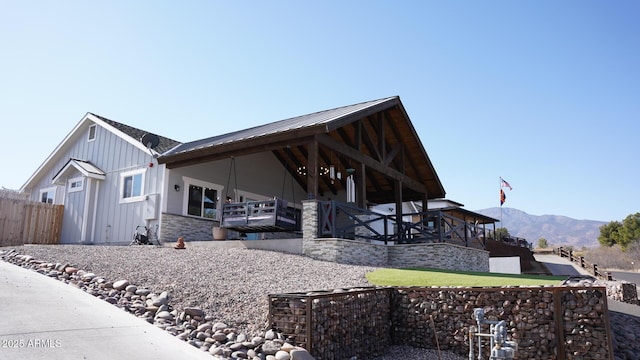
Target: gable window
48 196
201 198
76 184
132 186
92 132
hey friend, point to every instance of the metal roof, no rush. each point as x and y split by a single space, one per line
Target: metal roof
295 123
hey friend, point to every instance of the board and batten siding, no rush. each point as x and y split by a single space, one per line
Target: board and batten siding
114 222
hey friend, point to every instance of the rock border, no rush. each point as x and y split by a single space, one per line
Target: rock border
191 325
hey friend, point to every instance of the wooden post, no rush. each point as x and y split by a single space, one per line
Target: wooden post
312 171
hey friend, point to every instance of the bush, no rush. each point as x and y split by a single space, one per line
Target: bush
614 258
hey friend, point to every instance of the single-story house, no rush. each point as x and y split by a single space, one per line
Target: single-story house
112 177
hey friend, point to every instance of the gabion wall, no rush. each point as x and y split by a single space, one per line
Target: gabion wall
546 322
339 324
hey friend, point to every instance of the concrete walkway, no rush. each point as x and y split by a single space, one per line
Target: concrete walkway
560 266
43 318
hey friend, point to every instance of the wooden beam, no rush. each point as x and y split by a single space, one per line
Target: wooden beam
415 185
361 186
368 142
235 149
285 160
394 130
312 170
392 154
398 196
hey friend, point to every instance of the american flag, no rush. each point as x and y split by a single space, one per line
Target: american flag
504 183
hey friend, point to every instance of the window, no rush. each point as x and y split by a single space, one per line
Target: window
132 186
202 202
201 198
48 196
92 132
76 184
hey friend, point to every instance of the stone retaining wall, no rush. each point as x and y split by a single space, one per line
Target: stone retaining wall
438 255
545 322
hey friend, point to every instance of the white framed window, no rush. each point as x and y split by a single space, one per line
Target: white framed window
132 186
201 198
48 195
75 184
92 132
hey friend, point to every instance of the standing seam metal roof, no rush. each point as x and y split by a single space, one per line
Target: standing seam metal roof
294 123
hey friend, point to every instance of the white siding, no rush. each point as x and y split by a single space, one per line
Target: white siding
114 222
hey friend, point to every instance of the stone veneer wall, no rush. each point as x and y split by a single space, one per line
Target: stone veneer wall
545 322
193 229
440 256
346 251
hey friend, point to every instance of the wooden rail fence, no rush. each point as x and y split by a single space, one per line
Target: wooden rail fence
25 222
580 261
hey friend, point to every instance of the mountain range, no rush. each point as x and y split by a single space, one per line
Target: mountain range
557 230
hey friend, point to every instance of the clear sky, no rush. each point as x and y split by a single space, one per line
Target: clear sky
544 93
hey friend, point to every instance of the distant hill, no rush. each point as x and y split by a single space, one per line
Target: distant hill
558 230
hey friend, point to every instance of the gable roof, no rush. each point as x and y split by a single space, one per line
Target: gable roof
86 168
298 123
377 133
126 132
136 134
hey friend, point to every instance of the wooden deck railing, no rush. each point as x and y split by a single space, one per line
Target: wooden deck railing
343 220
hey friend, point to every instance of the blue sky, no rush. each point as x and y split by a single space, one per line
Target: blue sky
545 94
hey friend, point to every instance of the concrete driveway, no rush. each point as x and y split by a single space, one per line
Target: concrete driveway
43 318
560 266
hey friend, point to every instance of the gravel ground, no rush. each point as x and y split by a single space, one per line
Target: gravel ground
229 284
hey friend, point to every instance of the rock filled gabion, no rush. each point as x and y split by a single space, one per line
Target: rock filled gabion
422 314
531 314
585 335
337 324
442 318
190 324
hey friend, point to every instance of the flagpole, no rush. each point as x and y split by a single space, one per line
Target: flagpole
500 188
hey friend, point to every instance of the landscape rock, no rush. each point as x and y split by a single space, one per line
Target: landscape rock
120 284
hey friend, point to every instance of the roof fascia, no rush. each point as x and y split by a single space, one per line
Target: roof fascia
82 170
241 147
88 117
127 138
362 113
53 154
424 152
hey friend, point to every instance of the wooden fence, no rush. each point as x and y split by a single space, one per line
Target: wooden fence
580 261
26 222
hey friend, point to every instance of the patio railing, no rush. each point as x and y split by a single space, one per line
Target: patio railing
342 220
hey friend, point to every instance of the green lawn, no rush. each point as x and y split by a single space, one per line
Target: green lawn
437 277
